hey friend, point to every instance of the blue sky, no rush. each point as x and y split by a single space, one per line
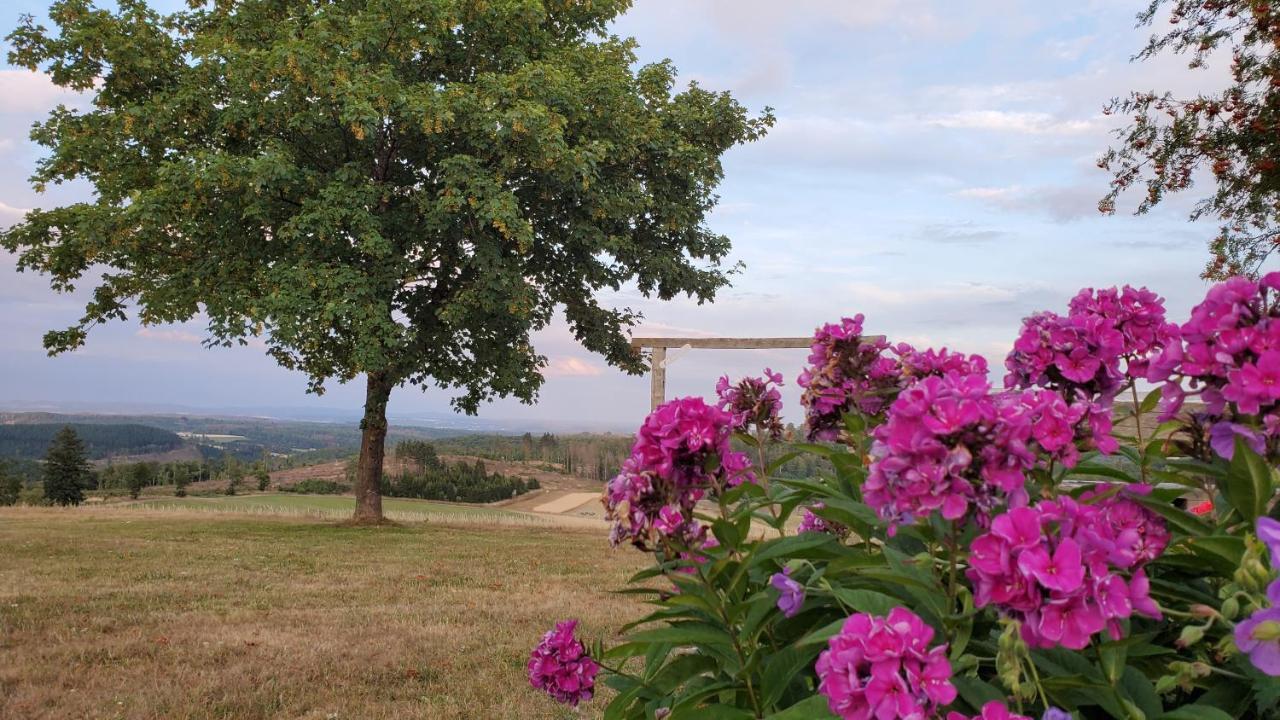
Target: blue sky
933 167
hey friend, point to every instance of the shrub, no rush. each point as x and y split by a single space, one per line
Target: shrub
10 488
972 552
314 486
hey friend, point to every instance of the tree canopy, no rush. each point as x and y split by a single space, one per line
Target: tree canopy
1230 133
405 190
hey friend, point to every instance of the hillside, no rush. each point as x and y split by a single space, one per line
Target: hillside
31 441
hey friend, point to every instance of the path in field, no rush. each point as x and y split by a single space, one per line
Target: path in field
568 502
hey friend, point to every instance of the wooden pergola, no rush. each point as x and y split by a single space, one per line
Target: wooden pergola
658 354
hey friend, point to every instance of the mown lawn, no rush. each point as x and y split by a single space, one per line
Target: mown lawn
323 503
126 613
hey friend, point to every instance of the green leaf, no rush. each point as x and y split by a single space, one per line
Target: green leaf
1138 689
976 692
1249 483
1195 712
1183 520
712 712
690 633
781 668
867 601
811 708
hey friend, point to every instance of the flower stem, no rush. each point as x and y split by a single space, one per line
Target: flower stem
1137 425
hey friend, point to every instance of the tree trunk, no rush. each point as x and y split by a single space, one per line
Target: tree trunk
372 449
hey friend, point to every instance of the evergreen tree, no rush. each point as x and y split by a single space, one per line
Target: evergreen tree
264 477
66 468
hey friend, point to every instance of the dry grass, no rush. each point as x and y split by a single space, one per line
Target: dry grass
134 614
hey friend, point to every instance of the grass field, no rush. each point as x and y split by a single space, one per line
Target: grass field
135 613
338 507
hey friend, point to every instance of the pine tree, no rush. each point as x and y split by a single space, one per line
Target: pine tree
10 487
66 468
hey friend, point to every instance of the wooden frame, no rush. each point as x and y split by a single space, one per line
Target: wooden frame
658 354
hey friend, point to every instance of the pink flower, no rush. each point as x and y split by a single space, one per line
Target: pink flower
561 667
1062 571
1057 567
812 522
1230 357
883 668
753 402
847 373
681 453
948 446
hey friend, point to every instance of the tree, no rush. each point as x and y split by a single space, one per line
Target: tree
1231 133
394 189
180 483
10 486
66 468
140 476
263 477
235 474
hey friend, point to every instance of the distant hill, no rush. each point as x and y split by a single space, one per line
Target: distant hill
31 440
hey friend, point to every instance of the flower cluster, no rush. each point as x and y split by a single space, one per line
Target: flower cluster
1057 567
1053 422
847 373
753 402
883 668
994 710
1107 338
682 451
561 667
1137 315
1258 635
1230 353
918 364
812 522
948 445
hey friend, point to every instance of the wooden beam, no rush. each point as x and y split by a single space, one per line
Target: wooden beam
722 343
657 377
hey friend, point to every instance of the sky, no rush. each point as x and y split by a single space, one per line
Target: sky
933 167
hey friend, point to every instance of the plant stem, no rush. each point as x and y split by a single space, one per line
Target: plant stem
764 482
1137 424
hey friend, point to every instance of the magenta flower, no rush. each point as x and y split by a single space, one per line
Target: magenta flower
994 710
948 446
681 453
847 373
561 667
1230 358
790 592
812 522
883 668
753 402
1107 338
1268 531
1058 567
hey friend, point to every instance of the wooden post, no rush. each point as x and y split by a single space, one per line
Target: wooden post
657 377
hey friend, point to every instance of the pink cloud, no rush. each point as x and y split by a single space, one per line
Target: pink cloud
568 366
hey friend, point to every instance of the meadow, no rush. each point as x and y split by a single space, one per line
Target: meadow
136 612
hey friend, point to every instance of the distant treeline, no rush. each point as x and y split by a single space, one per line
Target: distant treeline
29 442
427 477
594 456
590 456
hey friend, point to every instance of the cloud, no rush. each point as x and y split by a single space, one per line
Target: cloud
168 335
1026 123
10 214
568 366
1061 203
941 293
963 233
31 92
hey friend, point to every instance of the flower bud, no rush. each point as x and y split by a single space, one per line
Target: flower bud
1191 635
1203 611
1230 608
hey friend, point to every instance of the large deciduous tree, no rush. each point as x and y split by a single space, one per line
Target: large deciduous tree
1233 134
399 189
